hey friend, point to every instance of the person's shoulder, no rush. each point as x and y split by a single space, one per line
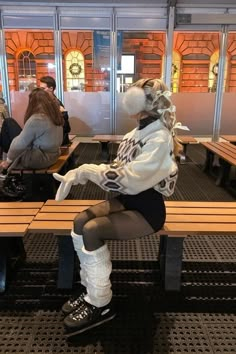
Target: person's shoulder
37 119
37 116
60 103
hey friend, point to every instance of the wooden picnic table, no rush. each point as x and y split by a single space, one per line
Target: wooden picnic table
229 138
105 140
227 158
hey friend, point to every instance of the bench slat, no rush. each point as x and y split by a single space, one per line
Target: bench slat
199 211
200 218
11 230
187 139
16 219
75 202
20 205
18 212
55 216
58 227
64 209
107 138
184 229
190 204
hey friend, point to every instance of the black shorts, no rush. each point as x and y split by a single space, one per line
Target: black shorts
149 203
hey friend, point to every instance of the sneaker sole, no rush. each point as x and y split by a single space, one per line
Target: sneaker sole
79 331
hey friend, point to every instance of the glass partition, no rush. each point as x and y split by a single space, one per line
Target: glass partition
228 105
30 55
194 78
142 56
86 76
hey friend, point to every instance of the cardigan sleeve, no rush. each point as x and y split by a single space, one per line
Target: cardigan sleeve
151 166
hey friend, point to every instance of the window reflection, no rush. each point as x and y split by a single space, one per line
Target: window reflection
33 52
26 71
195 54
75 73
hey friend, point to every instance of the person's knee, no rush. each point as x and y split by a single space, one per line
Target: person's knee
79 222
92 236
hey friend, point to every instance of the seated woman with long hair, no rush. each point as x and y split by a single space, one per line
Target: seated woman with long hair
38 144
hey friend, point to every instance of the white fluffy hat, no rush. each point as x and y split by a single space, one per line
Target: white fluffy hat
134 100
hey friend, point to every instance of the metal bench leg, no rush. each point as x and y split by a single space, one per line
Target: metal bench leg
105 150
208 162
170 257
66 262
223 177
4 255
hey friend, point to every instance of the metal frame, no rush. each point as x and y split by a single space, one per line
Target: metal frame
121 14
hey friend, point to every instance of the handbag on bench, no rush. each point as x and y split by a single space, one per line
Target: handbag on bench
13 186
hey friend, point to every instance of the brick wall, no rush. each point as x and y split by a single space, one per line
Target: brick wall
195 51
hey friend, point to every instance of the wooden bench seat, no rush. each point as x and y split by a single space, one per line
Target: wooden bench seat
184 218
15 218
185 140
229 138
66 153
227 158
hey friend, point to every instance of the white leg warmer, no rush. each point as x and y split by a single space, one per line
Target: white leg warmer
98 268
78 245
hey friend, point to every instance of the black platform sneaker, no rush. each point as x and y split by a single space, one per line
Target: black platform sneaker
87 317
75 301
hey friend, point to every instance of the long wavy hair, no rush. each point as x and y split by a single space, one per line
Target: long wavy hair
41 102
159 105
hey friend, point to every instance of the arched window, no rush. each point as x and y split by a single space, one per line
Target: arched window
26 71
75 75
175 72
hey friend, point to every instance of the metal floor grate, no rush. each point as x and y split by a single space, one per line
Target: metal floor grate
137 331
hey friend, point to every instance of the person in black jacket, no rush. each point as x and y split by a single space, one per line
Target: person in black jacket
48 83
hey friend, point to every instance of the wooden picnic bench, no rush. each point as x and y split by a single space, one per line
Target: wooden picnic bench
57 218
62 165
229 138
227 158
105 140
185 140
15 218
184 218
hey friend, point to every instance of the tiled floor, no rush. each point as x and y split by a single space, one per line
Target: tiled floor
199 319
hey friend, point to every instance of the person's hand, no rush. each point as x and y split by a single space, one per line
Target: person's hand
62 109
67 182
4 165
73 177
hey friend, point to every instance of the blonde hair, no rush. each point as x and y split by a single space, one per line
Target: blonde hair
159 105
